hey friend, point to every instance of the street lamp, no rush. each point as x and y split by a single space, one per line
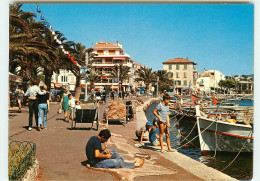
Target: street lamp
157 85
86 80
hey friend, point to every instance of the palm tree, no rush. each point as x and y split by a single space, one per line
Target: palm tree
93 77
28 49
122 72
164 77
146 75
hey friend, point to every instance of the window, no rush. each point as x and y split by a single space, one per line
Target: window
177 67
98 61
100 52
118 61
112 52
185 66
177 74
185 82
170 67
61 78
177 82
170 74
185 75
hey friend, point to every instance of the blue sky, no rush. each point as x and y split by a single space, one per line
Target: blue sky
217 37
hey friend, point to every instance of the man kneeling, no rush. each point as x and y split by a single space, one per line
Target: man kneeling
100 158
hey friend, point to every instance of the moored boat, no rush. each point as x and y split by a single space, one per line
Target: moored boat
224 135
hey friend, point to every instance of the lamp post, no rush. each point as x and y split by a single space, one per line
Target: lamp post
86 79
157 86
118 80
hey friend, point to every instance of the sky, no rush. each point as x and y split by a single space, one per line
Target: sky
214 36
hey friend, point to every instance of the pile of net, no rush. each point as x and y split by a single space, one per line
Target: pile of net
116 110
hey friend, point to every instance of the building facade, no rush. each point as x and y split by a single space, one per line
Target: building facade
182 71
109 55
65 79
209 79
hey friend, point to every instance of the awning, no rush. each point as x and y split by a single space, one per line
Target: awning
186 87
58 85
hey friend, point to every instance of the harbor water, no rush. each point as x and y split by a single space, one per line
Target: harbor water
241 168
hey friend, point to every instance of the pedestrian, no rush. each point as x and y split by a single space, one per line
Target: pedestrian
112 95
104 96
72 106
98 97
141 132
161 113
123 94
32 92
154 135
20 94
43 108
105 158
65 104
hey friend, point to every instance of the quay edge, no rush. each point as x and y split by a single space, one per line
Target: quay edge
192 166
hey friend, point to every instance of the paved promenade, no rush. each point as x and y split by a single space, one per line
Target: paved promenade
61 151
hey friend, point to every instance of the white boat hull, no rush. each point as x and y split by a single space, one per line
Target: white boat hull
224 136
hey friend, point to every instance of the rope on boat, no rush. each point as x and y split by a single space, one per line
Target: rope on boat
196 136
184 137
179 120
189 133
238 152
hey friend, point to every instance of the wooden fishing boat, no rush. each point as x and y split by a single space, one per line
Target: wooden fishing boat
223 134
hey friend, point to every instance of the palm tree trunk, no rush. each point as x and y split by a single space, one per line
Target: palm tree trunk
78 87
48 75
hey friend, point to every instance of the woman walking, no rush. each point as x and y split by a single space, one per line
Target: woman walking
65 103
43 108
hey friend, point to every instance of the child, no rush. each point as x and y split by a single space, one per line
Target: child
153 135
161 112
140 132
71 106
77 105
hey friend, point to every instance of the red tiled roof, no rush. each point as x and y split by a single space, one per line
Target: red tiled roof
178 60
105 44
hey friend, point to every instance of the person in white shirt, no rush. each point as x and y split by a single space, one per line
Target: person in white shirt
71 106
77 105
33 103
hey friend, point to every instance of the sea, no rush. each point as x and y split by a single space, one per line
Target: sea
242 166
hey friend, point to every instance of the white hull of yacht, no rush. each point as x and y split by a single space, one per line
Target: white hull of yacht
224 136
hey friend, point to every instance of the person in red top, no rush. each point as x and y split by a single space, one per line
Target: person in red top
214 101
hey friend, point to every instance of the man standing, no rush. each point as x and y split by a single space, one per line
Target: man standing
33 103
161 113
104 158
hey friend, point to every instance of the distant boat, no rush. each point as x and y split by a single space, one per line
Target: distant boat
220 135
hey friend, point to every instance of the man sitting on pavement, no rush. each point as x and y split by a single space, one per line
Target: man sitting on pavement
141 132
104 158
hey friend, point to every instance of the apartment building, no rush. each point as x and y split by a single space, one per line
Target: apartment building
183 72
209 79
109 55
65 79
